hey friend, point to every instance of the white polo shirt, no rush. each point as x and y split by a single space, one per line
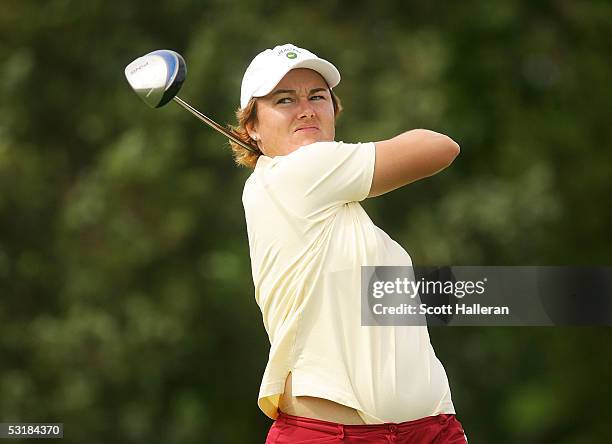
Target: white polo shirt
308 238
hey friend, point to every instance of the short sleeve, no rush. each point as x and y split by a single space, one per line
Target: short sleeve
322 176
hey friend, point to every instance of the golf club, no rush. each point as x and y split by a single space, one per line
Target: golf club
157 78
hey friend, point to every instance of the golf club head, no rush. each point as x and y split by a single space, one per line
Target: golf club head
157 77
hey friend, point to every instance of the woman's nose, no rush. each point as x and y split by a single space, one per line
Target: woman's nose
306 109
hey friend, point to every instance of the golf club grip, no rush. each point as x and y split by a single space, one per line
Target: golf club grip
213 124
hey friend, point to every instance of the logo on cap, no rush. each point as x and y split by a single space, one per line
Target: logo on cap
291 55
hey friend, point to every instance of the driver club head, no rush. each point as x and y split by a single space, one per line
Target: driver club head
157 77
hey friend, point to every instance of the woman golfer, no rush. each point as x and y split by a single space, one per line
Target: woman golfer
329 379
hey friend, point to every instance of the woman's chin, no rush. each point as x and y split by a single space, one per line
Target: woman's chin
312 137
307 139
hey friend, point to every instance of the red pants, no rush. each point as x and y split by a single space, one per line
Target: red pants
441 429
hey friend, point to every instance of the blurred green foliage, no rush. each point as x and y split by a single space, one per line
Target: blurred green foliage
126 300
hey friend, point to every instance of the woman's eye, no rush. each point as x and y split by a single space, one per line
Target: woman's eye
317 98
284 100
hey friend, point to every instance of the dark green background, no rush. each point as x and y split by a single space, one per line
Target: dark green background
127 309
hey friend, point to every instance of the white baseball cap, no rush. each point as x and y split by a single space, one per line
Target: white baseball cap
270 66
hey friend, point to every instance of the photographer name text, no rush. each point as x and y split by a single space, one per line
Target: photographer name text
448 309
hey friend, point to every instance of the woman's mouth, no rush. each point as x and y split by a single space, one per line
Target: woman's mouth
307 129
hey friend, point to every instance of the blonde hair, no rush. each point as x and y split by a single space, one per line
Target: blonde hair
248 115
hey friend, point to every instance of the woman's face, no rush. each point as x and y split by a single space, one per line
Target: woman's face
299 111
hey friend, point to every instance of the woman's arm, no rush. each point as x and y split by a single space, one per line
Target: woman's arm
411 156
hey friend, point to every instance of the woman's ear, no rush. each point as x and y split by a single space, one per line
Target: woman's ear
252 131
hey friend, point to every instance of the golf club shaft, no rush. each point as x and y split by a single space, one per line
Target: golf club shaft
213 124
